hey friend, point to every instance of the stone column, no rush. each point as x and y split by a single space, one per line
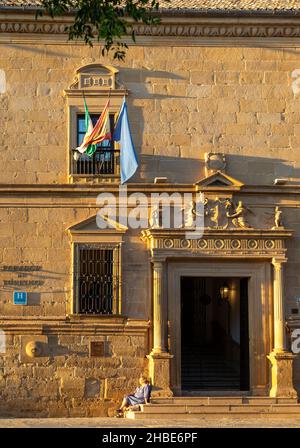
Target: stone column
281 359
279 309
159 319
159 358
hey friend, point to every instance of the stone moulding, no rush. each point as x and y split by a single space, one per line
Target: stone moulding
75 325
173 27
221 244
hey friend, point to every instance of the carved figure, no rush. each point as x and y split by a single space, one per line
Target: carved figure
215 215
154 218
189 214
278 218
238 217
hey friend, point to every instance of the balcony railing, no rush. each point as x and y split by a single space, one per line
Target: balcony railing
104 162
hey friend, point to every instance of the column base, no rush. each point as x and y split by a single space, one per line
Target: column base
159 369
282 374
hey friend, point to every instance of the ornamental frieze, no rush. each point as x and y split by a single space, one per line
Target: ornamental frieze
217 213
216 244
205 29
259 244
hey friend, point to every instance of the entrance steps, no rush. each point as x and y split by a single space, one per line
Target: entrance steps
217 407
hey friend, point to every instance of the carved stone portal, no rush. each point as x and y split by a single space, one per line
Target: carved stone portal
228 237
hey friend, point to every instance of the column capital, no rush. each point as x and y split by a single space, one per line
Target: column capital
158 260
278 262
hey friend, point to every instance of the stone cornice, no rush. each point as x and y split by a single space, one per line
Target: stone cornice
82 190
77 324
191 29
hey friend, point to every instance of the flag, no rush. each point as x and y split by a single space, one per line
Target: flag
99 133
122 134
89 129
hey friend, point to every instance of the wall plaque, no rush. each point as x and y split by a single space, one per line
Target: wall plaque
97 349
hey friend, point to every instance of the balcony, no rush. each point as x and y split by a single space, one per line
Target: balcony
105 162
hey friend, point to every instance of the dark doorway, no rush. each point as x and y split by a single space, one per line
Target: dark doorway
214 334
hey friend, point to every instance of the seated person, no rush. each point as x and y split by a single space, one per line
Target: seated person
140 396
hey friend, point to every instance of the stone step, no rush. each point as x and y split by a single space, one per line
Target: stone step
204 400
212 415
191 408
183 411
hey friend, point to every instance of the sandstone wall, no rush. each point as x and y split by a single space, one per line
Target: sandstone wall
183 102
68 382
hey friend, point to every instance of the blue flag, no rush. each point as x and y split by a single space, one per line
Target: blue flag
122 134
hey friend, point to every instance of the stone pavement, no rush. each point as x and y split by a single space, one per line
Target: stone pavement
162 423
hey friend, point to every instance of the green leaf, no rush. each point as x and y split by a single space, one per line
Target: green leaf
104 20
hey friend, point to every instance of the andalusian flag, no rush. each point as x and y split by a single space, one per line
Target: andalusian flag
100 133
89 129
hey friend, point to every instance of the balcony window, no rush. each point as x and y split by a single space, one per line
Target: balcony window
105 160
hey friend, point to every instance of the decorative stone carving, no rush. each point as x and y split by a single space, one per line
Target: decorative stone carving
33 349
94 81
95 76
214 161
217 215
154 219
224 214
278 223
238 217
209 28
189 215
236 242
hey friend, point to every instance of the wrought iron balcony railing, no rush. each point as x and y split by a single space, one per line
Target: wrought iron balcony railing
104 162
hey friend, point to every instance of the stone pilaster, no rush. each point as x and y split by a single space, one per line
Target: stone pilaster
279 313
281 359
159 318
159 358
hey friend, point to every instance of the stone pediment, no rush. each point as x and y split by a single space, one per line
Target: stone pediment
97 224
95 80
220 180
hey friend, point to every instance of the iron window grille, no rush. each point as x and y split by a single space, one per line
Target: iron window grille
105 160
96 279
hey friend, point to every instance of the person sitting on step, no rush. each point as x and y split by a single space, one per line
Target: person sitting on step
141 396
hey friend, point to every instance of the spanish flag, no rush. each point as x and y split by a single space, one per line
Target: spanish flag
100 132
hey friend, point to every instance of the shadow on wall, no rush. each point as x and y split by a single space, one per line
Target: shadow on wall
249 170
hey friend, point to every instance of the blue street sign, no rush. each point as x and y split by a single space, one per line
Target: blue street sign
20 298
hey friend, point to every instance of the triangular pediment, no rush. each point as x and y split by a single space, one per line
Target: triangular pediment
219 179
96 224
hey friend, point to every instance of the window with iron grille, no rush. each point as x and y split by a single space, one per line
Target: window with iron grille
105 160
97 279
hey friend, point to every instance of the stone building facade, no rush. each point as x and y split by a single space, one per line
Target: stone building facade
213 100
